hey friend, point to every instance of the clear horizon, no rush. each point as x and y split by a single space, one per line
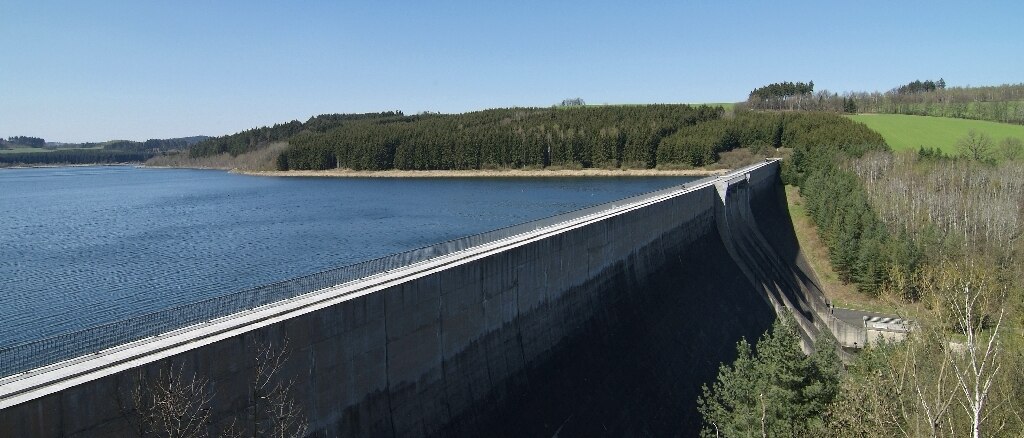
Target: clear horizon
97 71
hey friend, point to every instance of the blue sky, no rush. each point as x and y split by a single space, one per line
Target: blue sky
99 70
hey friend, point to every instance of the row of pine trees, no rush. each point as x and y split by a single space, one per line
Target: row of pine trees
642 136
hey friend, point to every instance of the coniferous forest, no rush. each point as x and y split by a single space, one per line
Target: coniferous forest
642 136
74 156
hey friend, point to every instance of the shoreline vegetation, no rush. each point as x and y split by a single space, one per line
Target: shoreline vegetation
483 173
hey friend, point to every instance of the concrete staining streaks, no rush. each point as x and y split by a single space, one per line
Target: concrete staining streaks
605 328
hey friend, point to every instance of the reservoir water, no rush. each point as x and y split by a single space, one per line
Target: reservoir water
81 246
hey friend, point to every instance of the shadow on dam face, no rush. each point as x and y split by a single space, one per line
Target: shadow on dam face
638 366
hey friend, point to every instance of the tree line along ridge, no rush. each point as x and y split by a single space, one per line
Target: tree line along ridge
643 136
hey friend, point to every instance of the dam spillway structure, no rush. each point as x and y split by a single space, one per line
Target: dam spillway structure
603 321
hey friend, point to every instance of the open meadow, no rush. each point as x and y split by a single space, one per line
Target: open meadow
911 132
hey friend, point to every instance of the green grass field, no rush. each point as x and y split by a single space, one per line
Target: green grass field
727 105
911 132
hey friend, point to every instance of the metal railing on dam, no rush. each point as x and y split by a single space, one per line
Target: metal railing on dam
51 350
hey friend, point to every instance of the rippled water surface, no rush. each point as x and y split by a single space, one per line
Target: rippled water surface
86 245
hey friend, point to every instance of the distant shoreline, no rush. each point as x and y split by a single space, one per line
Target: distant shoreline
54 166
482 173
471 173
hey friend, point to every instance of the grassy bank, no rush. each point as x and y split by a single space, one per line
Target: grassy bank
841 294
911 132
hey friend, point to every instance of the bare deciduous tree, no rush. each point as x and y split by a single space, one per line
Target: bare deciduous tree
977 364
275 410
176 404
173 405
958 198
933 388
263 158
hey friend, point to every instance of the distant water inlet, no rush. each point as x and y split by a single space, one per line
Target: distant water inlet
86 246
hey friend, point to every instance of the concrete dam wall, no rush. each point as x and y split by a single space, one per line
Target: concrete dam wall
606 324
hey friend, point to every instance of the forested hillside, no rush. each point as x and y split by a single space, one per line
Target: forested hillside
73 156
936 236
21 140
569 137
151 145
939 237
1001 103
252 139
701 144
24 150
607 136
